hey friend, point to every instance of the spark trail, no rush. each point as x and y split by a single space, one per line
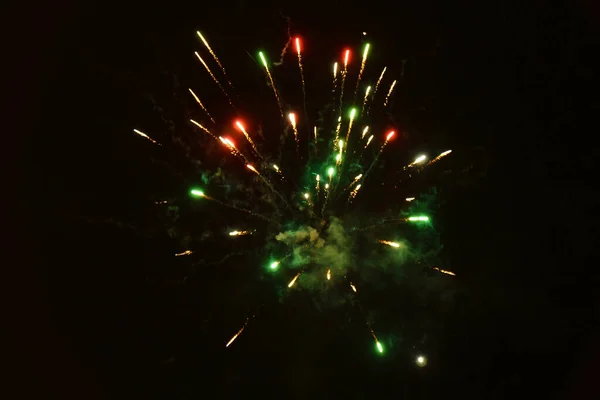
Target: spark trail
202 106
362 67
387 98
215 79
268 72
242 128
214 56
142 134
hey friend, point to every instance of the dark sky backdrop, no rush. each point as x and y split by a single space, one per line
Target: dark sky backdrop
507 84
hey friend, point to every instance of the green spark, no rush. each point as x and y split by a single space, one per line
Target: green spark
366 52
341 143
263 59
197 193
379 347
352 113
422 218
274 264
330 171
338 157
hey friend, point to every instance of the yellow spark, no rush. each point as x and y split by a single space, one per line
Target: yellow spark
418 160
366 97
369 141
410 198
354 192
357 177
445 153
443 271
203 128
251 168
315 131
185 253
306 195
275 167
239 233
392 244
353 287
335 67
237 334
328 274
389 93
214 78
201 105
292 118
214 56
142 134
327 186
293 280
364 132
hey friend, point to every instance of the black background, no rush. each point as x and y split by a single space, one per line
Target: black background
511 83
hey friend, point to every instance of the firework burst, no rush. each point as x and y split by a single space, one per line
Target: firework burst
308 212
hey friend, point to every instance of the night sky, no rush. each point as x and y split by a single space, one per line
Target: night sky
508 86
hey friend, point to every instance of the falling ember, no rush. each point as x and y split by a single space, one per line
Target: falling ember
201 105
239 233
443 271
214 78
392 244
203 128
389 93
264 61
410 199
142 134
185 253
328 274
214 56
353 287
161 202
293 280
364 132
